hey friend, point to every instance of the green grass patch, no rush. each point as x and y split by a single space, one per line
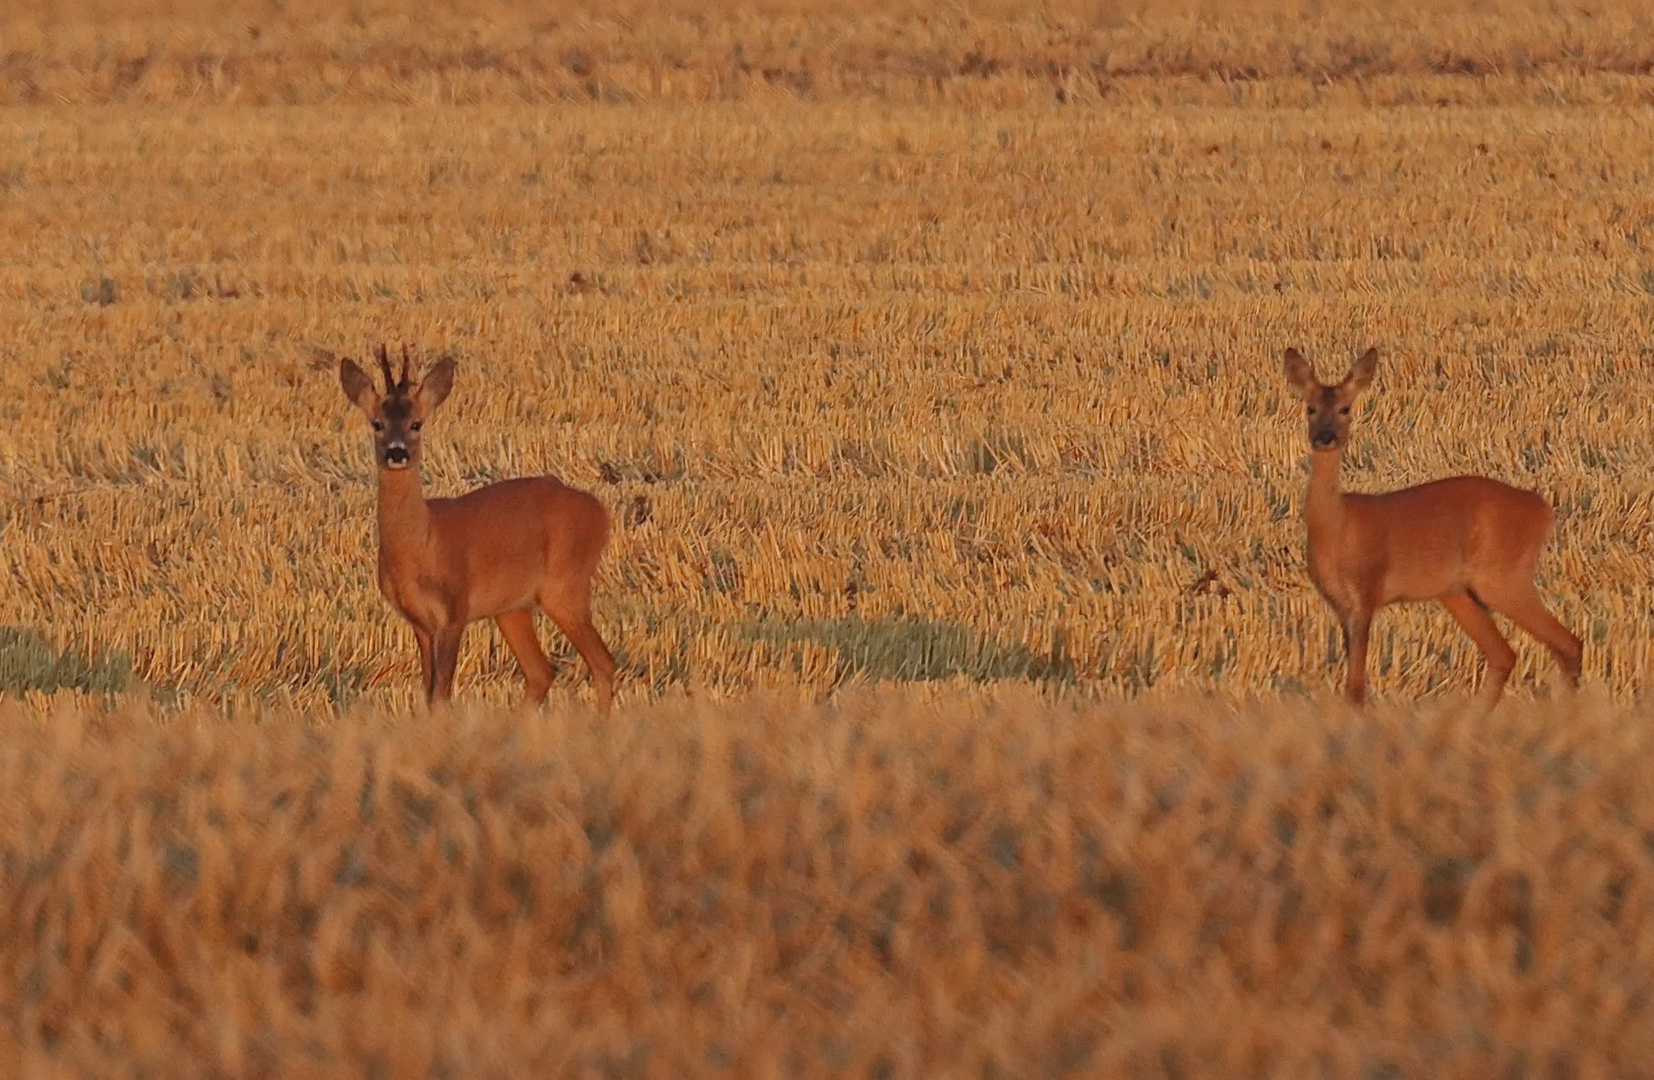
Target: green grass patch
909 649
29 662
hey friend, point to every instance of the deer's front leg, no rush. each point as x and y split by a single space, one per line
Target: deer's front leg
423 636
444 658
1357 625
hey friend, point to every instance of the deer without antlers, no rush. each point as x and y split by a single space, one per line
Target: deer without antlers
496 552
1469 541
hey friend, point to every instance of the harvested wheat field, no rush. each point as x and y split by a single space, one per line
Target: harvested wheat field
974 705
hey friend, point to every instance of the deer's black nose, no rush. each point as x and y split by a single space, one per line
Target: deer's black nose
1321 440
396 456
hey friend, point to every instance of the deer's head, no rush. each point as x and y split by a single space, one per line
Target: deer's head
398 415
1329 406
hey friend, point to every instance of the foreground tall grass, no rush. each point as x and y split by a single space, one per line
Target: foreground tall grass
892 884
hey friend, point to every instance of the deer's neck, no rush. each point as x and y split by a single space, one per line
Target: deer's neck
1324 502
404 519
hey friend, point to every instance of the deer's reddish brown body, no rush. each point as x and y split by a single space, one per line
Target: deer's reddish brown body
498 552
1469 541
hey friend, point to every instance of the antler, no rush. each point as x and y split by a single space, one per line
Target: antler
385 366
404 365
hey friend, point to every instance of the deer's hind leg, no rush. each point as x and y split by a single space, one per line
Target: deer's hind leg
1527 610
574 618
1471 614
518 628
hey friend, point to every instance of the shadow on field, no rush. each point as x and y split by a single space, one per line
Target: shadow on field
29 662
909 649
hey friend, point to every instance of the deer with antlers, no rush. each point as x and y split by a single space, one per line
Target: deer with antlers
1469 541
497 552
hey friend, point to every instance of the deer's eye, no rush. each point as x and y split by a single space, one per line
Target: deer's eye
417 424
379 425
1312 410
1345 410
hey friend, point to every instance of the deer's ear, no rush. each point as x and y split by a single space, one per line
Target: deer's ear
1299 375
357 386
434 387
1362 372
